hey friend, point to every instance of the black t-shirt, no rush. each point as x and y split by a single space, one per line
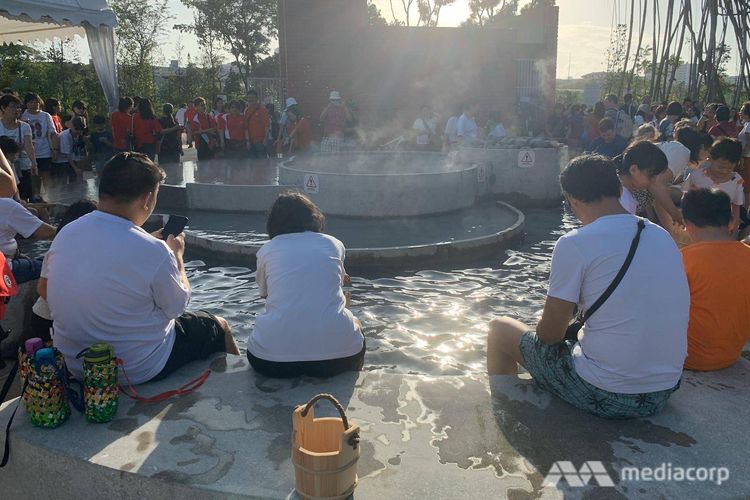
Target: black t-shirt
171 143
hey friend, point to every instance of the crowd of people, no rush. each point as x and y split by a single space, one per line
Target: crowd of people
656 275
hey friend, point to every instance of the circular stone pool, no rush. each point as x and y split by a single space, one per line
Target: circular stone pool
480 230
382 184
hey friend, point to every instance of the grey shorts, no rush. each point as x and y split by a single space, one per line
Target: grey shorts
553 370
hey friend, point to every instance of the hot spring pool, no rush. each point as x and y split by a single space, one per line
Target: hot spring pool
416 321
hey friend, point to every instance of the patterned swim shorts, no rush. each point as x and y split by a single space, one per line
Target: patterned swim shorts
553 370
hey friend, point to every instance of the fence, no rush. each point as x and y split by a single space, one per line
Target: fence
270 90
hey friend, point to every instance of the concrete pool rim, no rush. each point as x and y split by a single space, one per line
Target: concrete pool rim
393 255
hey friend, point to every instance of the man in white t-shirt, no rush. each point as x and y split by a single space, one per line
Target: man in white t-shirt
628 358
467 129
110 281
678 157
15 219
425 129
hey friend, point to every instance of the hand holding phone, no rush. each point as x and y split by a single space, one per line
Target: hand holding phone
174 226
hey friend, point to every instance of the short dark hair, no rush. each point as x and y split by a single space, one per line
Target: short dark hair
590 178
99 120
707 208
167 109
645 155
50 104
606 125
745 109
627 97
124 104
128 176
726 149
78 123
8 146
146 109
79 104
7 99
32 96
691 139
611 98
293 212
76 211
674 109
723 113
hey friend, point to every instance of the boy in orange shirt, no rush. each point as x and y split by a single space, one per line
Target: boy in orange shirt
258 121
718 272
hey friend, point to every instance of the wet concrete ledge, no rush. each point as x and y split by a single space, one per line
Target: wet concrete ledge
422 437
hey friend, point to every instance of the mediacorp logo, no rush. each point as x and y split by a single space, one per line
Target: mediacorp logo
665 472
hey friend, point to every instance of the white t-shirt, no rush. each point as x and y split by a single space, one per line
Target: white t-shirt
15 219
305 318
637 341
677 155
41 125
628 201
451 129
467 129
41 307
733 187
25 131
111 281
743 138
498 132
67 147
425 128
179 116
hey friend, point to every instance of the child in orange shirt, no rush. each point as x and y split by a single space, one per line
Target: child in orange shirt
718 272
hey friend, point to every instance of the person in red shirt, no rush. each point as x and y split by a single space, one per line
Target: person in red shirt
146 129
334 118
258 122
204 130
122 125
189 115
298 132
235 134
726 126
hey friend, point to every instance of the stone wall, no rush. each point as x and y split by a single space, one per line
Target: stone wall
390 71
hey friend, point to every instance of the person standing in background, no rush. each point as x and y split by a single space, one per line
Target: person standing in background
44 135
258 123
11 126
122 125
170 147
146 129
334 119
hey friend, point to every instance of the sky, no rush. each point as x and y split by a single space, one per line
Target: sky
583 39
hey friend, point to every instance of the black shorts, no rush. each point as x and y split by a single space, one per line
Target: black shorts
197 336
44 164
318 369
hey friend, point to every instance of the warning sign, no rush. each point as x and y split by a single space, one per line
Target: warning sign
312 184
526 158
481 173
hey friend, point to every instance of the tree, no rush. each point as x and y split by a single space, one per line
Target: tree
482 12
244 28
140 28
429 11
374 16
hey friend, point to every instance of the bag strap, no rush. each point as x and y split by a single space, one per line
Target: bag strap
3 394
620 275
185 389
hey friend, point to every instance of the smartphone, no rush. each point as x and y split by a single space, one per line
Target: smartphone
174 226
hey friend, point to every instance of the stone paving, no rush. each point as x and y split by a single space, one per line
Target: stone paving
438 437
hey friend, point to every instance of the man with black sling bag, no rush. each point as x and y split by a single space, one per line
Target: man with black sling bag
626 274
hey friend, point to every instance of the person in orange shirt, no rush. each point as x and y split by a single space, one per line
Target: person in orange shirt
298 132
718 272
235 132
204 130
258 122
122 125
146 129
189 115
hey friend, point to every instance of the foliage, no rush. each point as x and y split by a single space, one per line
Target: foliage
141 25
482 12
244 28
51 70
429 11
374 16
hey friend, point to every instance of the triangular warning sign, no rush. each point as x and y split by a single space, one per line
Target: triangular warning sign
311 183
527 158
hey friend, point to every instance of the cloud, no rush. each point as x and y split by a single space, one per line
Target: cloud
583 47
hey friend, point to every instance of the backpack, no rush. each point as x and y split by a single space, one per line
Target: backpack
8 286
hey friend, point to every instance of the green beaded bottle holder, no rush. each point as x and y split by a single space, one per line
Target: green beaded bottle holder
100 391
44 399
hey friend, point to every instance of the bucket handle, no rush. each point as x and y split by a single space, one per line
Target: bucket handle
333 401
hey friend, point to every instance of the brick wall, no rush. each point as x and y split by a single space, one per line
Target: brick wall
389 72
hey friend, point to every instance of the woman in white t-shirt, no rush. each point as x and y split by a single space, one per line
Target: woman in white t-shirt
11 126
306 328
43 131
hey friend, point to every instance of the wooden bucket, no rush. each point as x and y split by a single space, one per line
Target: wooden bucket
325 452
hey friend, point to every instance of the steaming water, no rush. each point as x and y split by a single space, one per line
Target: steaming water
430 321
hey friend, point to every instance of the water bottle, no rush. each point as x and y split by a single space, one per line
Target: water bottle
100 387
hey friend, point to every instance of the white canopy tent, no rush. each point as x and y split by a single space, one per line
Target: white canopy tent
28 20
